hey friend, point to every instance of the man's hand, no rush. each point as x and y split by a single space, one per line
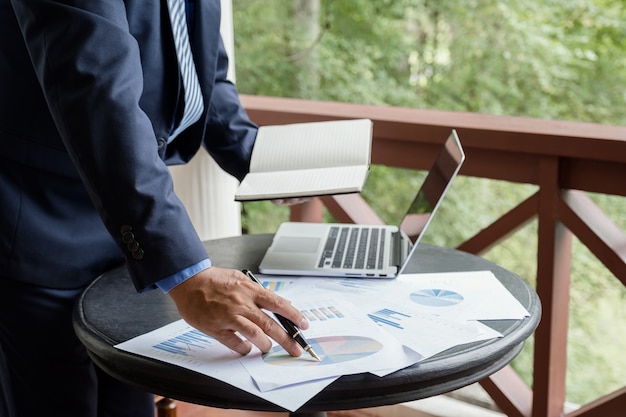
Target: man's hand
223 302
291 201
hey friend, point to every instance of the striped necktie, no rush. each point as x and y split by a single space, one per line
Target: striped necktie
194 104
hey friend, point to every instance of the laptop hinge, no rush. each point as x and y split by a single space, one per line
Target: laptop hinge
396 252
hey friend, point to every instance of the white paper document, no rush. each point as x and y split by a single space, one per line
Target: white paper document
473 295
182 345
424 333
346 341
356 326
390 304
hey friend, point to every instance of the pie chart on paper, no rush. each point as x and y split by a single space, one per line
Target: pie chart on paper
331 350
436 297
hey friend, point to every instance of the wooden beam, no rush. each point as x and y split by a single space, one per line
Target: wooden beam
351 208
611 405
521 135
510 393
594 229
502 227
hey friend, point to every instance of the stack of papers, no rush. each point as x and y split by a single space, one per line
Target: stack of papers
356 326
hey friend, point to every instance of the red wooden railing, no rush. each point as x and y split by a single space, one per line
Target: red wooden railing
563 159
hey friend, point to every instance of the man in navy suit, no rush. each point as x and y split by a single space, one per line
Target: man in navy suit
90 95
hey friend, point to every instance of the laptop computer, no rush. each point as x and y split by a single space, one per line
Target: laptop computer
364 251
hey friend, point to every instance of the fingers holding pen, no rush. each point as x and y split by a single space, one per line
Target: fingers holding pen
281 308
261 327
279 305
227 305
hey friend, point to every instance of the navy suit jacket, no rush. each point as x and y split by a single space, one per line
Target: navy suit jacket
89 91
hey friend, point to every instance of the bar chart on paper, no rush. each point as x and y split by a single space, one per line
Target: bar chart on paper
389 317
322 313
186 343
275 285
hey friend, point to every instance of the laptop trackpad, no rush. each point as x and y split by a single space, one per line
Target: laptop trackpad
297 244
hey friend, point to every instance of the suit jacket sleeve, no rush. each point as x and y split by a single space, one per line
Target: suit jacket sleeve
90 71
230 134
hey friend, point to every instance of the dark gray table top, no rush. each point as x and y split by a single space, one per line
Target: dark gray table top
110 312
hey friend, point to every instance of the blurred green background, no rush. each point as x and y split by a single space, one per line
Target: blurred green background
562 60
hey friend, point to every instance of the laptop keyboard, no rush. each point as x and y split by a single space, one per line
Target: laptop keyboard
353 248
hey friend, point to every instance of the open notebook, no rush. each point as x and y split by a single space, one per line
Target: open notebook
350 250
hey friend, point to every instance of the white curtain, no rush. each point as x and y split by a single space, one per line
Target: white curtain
206 190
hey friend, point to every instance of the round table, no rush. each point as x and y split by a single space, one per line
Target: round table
110 311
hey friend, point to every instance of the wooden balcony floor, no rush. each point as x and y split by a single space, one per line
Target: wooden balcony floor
193 410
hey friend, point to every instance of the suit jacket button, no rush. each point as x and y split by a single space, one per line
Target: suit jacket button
128 237
125 228
133 246
138 254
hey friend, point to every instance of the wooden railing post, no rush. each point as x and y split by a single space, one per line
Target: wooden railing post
553 285
310 211
166 407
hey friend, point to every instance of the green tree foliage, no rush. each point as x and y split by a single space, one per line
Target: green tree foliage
560 59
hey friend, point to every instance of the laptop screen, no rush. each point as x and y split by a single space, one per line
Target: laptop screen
437 182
